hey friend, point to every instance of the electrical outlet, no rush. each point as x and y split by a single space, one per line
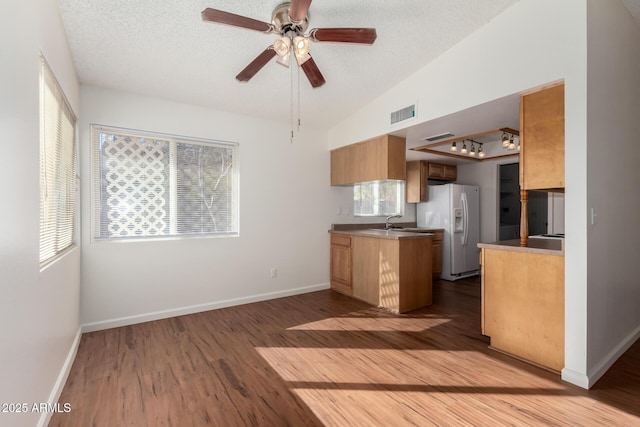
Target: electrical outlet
274 272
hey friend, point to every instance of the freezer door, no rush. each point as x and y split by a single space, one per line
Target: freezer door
472 230
457 235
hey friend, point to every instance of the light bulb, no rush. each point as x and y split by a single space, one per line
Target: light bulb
505 140
473 150
454 147
282 46
511 145
464 148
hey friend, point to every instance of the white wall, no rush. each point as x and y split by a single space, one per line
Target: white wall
286 206
547 43
613 156
39 310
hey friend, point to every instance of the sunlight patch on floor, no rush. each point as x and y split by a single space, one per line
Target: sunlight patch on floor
373 324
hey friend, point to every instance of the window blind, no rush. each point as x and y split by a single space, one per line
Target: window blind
148 185
57 168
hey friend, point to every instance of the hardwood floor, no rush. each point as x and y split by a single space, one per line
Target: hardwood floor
325 359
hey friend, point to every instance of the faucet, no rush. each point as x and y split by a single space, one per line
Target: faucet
387 225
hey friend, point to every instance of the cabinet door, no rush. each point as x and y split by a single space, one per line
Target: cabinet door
416 185
340 264
437 258
436 170
542 139
450 172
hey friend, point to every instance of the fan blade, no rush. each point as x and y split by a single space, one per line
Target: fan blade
313 73
298 10
221 17
256 65
344 35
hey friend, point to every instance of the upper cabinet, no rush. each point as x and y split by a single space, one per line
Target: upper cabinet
542 139
418 174
442 172
376 159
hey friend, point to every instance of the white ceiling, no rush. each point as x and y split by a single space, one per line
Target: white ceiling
162 48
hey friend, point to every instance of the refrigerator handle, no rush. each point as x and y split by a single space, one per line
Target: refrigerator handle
465 219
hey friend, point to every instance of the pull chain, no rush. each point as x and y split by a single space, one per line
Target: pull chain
291 107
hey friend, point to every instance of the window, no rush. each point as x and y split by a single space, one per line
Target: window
148 185
57 168
378 198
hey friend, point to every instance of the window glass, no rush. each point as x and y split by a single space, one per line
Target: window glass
378 198
153 185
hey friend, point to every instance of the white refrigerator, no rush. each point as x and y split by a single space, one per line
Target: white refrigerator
456 209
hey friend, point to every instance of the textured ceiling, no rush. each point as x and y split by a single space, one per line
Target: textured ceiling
163 48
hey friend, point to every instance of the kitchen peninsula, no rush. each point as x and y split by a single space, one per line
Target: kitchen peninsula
385 268
523 299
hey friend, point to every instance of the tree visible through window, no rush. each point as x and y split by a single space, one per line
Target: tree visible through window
378 198
154 185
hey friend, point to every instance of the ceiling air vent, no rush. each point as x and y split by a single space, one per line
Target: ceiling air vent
403 114
439 136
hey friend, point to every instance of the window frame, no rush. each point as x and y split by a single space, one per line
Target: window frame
174 140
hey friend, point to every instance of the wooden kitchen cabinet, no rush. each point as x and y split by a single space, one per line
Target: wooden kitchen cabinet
418 174
542 139
416 185
340 264
522 309
381 158
395 274
436 253
442 171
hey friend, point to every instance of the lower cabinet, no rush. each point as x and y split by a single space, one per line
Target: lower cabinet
436 253
340 270
394 274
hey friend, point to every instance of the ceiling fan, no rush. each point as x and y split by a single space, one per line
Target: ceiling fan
290 21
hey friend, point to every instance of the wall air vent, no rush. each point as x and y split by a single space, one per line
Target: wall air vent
403 114
439 136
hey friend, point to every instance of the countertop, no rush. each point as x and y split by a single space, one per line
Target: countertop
534 246
385 234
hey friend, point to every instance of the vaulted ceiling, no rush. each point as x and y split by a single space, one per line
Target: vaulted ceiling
164 49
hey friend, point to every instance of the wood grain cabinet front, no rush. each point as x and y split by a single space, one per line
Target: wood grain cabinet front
419 172
542 139
436 252
340 264
381 158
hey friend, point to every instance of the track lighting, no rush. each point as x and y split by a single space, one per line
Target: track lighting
473 149
505 140
512 144
454 147
480 150
464 148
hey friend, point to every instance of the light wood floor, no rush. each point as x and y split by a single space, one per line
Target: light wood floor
325 359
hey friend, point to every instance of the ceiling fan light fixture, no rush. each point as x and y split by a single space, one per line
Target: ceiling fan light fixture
302 45
282 46
302 58
284 60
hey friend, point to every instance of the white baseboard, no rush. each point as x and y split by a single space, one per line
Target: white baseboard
587 381
575 378
61 380
181 311
603 366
